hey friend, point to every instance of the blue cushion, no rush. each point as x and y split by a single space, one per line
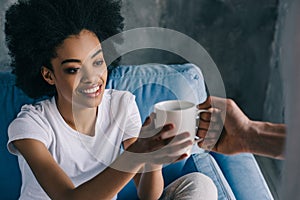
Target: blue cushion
11 100
150 83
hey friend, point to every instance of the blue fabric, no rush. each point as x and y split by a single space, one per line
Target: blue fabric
150 83
244 176
11 100
207 165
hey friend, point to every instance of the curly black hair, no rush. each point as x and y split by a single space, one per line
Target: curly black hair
35 28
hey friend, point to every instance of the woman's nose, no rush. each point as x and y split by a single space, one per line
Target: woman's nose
90 75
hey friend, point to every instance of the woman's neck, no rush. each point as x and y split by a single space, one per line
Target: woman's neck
80 119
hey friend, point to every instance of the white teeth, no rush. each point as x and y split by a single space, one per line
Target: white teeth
92 90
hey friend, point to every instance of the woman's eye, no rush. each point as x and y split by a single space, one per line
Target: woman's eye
98 63
71 70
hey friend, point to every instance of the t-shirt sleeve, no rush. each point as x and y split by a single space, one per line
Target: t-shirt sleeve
133 121
29 124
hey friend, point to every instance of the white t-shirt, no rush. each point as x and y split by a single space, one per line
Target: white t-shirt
80 156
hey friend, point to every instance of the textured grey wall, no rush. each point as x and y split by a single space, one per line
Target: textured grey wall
274 106
4 58
238 34
289 62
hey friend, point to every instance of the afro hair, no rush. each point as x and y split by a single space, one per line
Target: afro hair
35 28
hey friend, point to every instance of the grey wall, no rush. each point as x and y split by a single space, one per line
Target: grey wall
4 58
274 105
238 34
288 42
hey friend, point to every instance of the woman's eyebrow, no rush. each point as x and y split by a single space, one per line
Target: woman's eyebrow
79 61
96 53
70 60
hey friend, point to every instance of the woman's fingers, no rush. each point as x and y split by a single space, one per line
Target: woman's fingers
149 122
149 131
163 151
171 152
169 141
161 145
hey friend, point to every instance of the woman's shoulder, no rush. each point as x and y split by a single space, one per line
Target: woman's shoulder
38 109
38 106
31 122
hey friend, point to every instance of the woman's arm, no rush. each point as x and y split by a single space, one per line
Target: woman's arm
154 149
149 183
58 185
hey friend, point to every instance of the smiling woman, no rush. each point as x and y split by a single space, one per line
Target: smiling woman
79 75
79 72
68 145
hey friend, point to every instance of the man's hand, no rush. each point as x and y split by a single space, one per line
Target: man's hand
224 127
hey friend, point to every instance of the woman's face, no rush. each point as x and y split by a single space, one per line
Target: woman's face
79 71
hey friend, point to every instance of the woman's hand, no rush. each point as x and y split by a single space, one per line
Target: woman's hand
156 146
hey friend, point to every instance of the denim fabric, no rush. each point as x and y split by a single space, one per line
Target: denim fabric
207 165
244 176
151 83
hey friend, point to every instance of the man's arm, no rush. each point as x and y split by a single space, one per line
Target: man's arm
267 139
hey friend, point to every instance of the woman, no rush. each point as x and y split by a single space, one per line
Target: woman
68 144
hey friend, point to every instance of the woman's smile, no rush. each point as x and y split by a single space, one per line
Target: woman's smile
80 71
92 91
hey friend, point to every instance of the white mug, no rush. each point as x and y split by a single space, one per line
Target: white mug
183 114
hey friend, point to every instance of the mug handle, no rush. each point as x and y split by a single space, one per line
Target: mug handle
198 139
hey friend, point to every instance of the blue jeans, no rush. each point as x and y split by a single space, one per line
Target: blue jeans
236 177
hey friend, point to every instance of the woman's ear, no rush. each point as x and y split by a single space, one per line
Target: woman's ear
48 75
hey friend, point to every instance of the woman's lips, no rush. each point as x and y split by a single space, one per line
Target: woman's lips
92 92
